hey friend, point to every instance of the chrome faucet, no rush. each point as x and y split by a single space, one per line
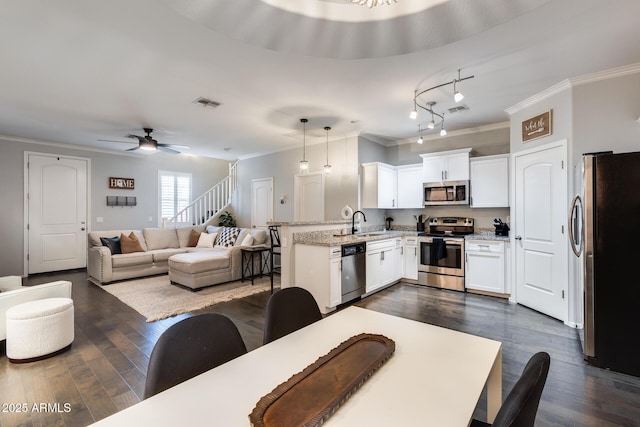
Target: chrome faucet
353 221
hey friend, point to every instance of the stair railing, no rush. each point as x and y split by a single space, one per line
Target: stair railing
208 204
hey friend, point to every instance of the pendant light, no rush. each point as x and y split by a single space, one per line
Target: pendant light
327 167
304 164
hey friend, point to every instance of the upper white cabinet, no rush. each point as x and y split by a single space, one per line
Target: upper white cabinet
410 186
490 181
379 186
446 166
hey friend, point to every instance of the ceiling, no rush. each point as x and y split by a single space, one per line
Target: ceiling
78 71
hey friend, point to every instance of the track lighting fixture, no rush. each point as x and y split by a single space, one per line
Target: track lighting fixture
428 106
443 131
421 139
327 167
304 164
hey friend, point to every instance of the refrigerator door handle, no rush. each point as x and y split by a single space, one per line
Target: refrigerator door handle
576 219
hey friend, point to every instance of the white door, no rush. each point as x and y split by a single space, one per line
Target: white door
309 197
541 245
261 202
56 213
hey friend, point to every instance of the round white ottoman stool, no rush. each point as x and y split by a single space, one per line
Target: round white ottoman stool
39 329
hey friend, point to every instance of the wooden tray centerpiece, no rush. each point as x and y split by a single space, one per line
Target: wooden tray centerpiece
311 396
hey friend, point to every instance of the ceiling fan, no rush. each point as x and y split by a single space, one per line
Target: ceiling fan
149 144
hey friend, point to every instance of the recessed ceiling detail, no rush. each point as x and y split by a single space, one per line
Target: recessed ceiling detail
339 29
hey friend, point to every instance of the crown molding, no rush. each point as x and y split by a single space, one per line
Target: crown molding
611 73
453 133
21 140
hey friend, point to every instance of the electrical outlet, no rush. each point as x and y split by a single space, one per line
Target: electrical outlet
99 219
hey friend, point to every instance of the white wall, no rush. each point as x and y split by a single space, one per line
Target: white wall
144 169
341 186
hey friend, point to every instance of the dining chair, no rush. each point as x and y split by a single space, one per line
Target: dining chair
288 310
190 347
521 405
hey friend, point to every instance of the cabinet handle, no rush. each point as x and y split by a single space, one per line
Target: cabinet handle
442 175
446 175
382 256
393 203
415 251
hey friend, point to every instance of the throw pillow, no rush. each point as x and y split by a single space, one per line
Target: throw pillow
130 244
193 239
247 241
206 240
112 243
228 236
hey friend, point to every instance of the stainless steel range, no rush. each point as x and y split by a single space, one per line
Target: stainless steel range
441 256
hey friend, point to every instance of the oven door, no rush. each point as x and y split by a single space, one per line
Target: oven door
451 264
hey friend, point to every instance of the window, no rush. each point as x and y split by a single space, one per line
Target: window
175 192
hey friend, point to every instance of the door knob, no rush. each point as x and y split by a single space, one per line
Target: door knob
82 229
518 237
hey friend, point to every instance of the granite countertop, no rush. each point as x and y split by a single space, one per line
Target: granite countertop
290 223
325 239
486 236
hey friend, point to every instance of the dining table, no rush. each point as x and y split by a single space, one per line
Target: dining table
435 377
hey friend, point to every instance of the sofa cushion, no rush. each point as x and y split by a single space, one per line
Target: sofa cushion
136 258
94 236
161 238
213 229
113 243
194 236
185 233
130 243
206 240
162 255
247 241
201 261
259 236
228 236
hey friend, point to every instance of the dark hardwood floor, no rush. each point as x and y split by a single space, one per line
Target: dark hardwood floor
104 372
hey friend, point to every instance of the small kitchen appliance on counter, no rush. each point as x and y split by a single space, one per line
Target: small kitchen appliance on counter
441 252
502 229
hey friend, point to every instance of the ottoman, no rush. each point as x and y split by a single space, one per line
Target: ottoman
196 270
39 329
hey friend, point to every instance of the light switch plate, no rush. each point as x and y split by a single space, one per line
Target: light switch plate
99 219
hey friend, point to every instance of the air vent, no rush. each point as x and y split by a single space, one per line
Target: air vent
458 108
207 103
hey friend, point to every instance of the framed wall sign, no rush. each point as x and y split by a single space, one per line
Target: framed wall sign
121 183
537 126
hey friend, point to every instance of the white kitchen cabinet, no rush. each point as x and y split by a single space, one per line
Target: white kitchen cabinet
485 266
398 259
446 166
318 270
489 181
410 258
379 186
410 186
379 267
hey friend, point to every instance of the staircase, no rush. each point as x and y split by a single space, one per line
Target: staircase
209 204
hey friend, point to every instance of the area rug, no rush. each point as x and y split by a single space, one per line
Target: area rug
155 298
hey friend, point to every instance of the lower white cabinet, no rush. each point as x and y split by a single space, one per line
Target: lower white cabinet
318 269
410 258
398 259
485 266
380 264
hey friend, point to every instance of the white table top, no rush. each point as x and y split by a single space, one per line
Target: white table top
435 378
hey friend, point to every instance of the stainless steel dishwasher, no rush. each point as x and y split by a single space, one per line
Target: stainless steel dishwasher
353 271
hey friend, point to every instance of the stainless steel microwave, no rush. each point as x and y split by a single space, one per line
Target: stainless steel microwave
446 193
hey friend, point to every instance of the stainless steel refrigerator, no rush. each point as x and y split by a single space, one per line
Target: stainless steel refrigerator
611 207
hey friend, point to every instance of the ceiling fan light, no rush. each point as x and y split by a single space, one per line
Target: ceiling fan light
457 96
147 145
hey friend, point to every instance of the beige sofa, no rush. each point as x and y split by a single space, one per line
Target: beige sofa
14 294
159 245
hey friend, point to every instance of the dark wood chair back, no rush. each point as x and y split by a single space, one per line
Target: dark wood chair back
288 310
521 404
190 347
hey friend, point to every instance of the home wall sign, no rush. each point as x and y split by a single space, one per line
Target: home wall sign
537 127
121 183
